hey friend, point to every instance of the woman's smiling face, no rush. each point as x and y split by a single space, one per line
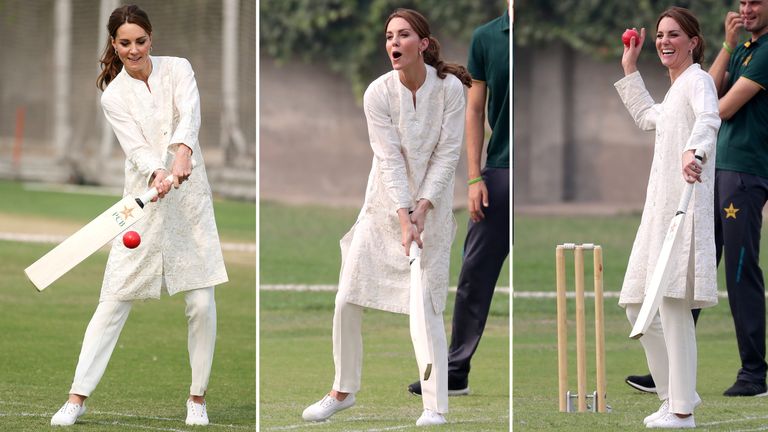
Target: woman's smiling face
132 44
673 45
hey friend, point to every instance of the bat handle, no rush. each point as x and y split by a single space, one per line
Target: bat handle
415 251
151 193
683 206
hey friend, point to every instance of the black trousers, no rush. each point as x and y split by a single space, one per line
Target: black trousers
739 201
485 249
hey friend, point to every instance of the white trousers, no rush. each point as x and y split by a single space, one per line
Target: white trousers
107 323
670 350
348 353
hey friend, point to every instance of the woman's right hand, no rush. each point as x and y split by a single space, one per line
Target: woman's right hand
631 53
408 231
159 183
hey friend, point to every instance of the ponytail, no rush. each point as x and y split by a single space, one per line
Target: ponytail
432 58
110 66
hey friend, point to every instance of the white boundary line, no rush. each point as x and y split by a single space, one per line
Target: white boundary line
90 420
343 423
55 239
731 421
571 294
333 288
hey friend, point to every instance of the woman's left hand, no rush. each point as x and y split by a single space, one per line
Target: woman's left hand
419 215
691 168
182 165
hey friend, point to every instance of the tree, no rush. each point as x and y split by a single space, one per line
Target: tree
595 26
348 35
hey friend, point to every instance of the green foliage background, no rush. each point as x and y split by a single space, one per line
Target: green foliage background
348 35
595 26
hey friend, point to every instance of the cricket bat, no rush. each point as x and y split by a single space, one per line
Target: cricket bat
654 292
420 335
90 238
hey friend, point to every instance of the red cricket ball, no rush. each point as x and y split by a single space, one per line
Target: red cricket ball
131 239
628 35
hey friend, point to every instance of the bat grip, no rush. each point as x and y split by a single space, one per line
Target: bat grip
682 207
151 193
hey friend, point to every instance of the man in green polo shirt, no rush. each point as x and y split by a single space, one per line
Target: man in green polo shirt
487 243
740 73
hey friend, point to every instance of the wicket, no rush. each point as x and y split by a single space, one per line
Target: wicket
565 396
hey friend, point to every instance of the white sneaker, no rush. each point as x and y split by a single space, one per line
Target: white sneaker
663 409
326 407
430 418
68 414
197 414
671 421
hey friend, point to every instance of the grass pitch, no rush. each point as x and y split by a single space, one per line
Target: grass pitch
147 381
535 402
299 245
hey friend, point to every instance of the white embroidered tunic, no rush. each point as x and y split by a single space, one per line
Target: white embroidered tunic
688 118
416 150
180 246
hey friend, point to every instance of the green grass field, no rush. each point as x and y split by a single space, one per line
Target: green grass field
147 381
535 403
299 245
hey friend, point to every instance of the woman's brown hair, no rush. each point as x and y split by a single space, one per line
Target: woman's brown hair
110 62
689 24
432 57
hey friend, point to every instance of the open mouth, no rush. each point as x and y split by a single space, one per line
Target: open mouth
667 52
396 54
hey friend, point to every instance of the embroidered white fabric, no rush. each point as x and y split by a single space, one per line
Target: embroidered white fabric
416 150
179 241
686 119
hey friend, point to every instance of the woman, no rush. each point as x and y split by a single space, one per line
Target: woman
687 120
415 116
153 106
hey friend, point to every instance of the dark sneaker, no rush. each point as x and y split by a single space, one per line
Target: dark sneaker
644 383
746 388
453 388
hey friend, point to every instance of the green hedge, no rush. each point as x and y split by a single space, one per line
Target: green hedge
348 35
595 26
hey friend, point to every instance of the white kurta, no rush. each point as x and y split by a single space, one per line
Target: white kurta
416 150
687 119
179 242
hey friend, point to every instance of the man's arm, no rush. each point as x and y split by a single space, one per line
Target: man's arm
475 135
719 69
744 89
740 93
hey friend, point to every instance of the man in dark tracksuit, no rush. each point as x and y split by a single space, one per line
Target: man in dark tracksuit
487 244
740 73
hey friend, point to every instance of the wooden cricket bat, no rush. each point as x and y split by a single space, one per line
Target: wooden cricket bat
90 238
420 335
654 292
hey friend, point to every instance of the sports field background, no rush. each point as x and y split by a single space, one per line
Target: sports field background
147 381
535 403
300 245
